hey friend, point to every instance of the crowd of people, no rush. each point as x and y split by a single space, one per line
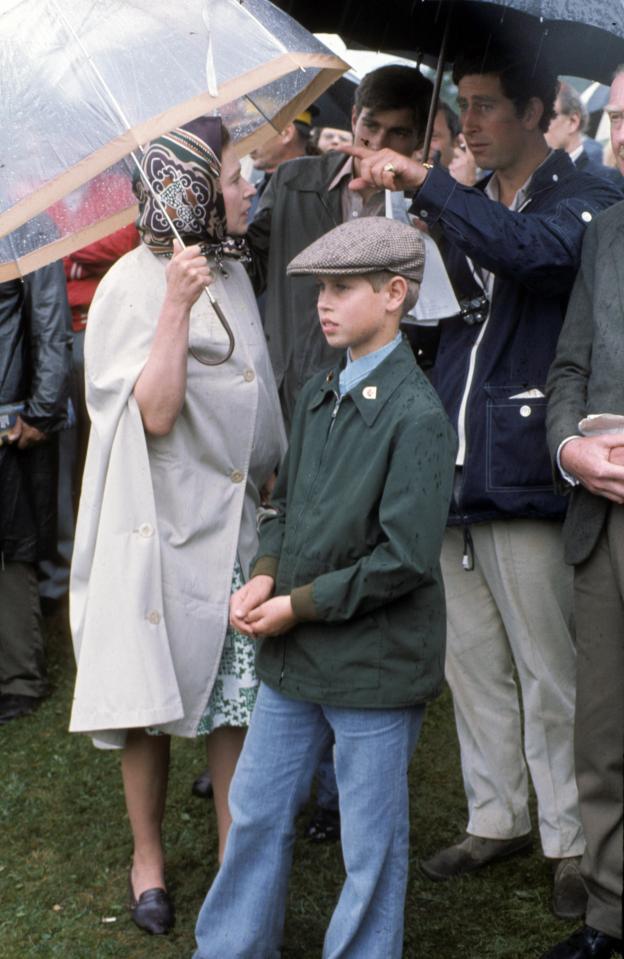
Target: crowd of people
301 511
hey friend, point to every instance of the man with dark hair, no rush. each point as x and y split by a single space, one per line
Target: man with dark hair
566 133
512 248
309 196
585 381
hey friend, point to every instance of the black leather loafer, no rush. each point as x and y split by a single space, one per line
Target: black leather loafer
153 911
586 943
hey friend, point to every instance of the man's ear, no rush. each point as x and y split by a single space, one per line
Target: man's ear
533 113
288 133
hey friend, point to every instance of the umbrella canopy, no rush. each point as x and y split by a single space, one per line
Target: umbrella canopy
577 37
85 82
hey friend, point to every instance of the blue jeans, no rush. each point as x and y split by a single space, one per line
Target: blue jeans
243 914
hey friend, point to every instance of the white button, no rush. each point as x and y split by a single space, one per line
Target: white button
555 177
355 213
249 376
423 214
525 411
153 617
146 530
236 476
586 216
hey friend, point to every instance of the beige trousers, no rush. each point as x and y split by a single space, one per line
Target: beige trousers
508 623
599 727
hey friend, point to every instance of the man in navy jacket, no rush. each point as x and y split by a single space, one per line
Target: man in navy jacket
512 247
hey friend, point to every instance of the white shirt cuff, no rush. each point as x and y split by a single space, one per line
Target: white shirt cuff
572 480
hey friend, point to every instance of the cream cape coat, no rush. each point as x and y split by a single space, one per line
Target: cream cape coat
162 518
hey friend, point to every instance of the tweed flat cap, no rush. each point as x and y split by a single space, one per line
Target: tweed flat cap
367 245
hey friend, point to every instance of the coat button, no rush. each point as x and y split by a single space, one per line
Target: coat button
586 216
525 411
146 530
236 476
249 376
153 617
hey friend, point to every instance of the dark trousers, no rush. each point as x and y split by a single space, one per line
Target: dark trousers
22 653
599 722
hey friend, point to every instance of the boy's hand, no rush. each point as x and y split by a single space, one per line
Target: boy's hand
273 617
247 598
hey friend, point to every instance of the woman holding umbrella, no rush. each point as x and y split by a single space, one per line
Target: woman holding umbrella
184 435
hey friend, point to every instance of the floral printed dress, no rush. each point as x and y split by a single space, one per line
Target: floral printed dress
234 692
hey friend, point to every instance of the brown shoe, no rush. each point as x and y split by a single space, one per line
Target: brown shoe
569 899
471 854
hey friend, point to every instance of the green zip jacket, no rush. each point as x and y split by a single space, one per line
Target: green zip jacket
362 502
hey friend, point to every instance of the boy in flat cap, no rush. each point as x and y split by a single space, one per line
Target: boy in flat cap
346 600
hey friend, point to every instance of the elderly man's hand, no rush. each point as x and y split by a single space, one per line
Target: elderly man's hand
23 435
385 169
598 463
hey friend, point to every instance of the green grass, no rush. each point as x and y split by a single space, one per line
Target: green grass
65 851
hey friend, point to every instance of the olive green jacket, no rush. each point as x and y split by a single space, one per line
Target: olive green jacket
362 501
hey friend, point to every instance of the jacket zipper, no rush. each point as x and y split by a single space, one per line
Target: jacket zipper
334 413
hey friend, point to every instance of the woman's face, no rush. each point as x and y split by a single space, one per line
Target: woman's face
237 193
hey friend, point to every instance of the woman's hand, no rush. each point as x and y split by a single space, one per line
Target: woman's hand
188 274
247 598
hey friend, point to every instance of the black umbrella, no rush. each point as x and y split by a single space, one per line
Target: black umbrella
575 37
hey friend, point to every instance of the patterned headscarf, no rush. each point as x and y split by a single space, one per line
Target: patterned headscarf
184 168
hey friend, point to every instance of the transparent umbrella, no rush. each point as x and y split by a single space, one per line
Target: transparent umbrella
85 83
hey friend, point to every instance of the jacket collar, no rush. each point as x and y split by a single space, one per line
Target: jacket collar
373 392
556 167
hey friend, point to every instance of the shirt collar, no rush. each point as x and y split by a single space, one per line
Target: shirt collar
492 187
357 370
345 170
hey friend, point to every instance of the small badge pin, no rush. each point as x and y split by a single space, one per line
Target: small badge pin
369 392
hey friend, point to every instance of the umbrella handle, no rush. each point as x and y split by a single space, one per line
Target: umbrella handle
226 326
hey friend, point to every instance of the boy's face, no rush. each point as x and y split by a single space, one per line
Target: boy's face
353 315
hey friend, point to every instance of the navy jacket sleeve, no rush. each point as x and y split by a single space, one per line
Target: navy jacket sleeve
540 251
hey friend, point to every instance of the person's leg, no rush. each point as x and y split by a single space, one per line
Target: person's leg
533 589
373 750
243 913
479 671
145 767
223 747
599 727
22 650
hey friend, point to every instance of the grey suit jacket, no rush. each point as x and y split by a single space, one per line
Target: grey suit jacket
587 375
